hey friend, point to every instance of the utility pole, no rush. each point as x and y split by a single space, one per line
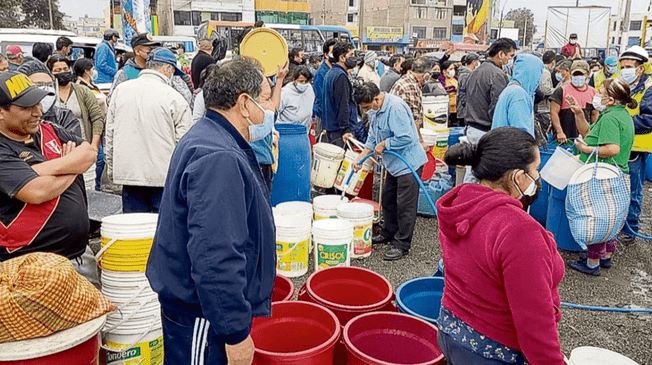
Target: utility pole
525 32
624 27
361 23
51 18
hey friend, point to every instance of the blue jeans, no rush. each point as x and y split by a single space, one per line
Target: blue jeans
637 178
141 199
456 354
99 166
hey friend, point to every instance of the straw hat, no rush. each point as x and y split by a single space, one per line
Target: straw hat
41 293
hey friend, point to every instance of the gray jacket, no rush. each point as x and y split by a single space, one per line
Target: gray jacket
389 79
462 80
484 87
546 88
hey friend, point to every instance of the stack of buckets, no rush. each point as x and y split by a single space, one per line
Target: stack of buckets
332 166
293 222
437 140
133 334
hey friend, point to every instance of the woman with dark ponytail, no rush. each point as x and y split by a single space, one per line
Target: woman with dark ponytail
612 136
500 303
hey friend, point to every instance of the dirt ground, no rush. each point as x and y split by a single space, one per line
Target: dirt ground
628 284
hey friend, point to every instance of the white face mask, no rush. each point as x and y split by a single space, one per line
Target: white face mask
301 87
48 100
260 131
572 41
451 73
628 74
94 75
597 103
578 81
532 189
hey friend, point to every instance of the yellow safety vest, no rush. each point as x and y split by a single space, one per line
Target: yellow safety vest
642 142
598 79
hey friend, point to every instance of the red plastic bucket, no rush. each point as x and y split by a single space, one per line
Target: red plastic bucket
79 345
348 291
298 333
391 339
283 289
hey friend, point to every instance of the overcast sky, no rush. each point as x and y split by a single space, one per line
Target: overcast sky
95 8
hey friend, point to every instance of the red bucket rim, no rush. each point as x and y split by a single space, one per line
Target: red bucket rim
358 353
286 281
315 350
349 308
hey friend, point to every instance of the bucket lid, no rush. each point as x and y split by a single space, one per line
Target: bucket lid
52 344
355 210
131 219
297 222
333 226
328 150
588 355
329 201
293 208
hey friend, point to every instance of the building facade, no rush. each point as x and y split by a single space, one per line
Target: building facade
634 35
188 15
391 25
283 12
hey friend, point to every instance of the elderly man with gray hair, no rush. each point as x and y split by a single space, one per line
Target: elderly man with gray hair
368 71
213 261
145 121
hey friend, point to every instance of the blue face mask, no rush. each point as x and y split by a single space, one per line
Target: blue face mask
628 74
509 64
301 87
613 69
578 81
558 76
260 131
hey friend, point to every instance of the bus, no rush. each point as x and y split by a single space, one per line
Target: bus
307 37
337 33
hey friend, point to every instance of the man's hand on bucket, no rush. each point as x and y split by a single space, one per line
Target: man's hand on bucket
241 353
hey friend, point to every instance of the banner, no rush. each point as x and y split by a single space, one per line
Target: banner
433 44
354 29
136 18
590 23
385 33
477 15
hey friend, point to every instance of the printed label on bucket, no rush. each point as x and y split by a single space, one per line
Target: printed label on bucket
439 152
331 255
143 353
342 173
362 239
319 217
360 182
294 261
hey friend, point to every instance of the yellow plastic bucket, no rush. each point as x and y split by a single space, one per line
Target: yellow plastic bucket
126 241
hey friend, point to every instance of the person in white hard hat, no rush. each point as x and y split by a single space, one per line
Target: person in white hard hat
632 69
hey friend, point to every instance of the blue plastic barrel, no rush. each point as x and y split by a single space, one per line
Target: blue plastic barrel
648 167
557 222
454 135
421 298
539 208
292 179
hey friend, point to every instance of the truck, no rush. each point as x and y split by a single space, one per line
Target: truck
590 23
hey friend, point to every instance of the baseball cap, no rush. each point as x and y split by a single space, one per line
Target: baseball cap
162 54
611 61
636 53
18 89
580 65
573 35
143 39
14 51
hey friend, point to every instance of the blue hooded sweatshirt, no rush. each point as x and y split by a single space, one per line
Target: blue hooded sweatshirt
515 105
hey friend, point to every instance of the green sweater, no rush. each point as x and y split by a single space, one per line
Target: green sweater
92 115
615 126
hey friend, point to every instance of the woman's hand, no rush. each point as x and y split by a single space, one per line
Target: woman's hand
573 105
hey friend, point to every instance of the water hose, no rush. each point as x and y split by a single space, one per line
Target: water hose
434 208
631 232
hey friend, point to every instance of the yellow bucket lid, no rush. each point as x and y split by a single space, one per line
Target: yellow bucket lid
267 46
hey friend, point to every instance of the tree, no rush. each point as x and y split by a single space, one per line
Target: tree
523 20
30 14
10 13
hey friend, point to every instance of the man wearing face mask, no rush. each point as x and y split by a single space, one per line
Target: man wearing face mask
572 48
339 108
143 44
608 69
146 120
470 62
484 87
318 84
546 88
561 116
409 88
392 75
213 259
368 71
632 71
105 61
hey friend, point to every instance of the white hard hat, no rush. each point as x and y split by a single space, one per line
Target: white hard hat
636 53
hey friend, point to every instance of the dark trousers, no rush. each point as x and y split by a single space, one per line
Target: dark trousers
457 355
190 340
400 202
141 199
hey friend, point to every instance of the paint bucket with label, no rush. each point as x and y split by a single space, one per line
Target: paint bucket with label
126 241
332 239
325 206
361 215
358 178
326 161
292 244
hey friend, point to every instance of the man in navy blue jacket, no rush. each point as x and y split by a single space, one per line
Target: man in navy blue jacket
318 84
213 261
339 108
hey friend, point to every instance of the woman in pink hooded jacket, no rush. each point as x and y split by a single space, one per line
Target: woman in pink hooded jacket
500 303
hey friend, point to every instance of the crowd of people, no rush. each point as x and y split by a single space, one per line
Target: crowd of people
195 144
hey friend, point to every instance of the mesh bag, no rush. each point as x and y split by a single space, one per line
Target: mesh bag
41 293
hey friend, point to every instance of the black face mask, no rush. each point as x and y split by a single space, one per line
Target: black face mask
65 78
351 62
435 75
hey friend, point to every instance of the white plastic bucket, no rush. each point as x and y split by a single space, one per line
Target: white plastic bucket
295 208
437 139
126 241
326 162
361 215
292 244
435 112
358 178
148 349
588 355
325 206
333 239
559 168
89 178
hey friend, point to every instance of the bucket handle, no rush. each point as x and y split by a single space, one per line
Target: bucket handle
359 145
125 348
100 253
128 316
